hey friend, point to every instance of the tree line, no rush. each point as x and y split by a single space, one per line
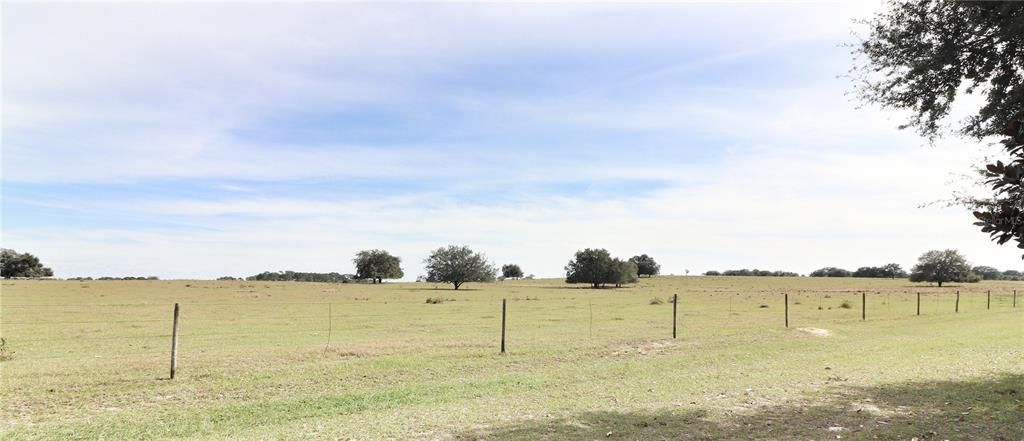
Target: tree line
752 273
458 265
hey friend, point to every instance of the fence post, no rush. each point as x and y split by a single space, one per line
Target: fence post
785 299
918 303
957 307
174 343
330 326
1014 298
503 325
675 307
988 300
863 305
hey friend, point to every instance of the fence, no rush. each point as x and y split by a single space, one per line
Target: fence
211 334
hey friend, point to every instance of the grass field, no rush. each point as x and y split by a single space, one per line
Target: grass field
257 360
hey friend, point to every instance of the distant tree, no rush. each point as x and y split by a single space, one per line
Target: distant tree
754 272
622 272
377 265
293 276
987 272
1013 275
941 266
921 56
511 271
592 266
646 266
457 265
893 270
831 271
15 264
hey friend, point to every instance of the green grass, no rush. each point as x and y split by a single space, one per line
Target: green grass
89 360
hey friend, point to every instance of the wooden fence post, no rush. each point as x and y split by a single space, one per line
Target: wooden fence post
988 300
918 303
1014 298
174 343
785 299
957 307
675 307
330 326
503 325
863 305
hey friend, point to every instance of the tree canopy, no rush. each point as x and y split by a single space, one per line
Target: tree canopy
511 271
941 266
377 265
622 272
923 56
752 273
891 271
15 264
295 276
646 266
457 265
830 271
598 268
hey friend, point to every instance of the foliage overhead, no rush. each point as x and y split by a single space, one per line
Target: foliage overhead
15 264
941 266
457 265
377 265
922 55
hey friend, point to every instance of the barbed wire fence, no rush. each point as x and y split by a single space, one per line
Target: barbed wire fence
43 332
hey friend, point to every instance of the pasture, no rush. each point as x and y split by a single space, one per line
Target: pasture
264 360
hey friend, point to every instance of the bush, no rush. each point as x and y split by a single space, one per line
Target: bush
846 304
657 301
435 300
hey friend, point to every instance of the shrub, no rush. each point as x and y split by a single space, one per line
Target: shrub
435 300
846 304
657 301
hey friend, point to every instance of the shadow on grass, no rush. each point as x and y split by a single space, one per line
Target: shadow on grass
948 410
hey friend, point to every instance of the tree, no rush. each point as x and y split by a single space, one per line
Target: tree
592 266
987 272
15 264
511 271
622 272
893 270
919 56
457 265
646 266
831 271
1013 275
941 266
377 265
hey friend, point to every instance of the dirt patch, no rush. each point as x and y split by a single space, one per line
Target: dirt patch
643 348
817 332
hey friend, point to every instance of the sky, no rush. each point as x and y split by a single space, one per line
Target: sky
197 140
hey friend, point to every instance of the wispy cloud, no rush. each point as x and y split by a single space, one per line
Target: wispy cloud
190 140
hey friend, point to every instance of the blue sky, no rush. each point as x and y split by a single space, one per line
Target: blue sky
199 140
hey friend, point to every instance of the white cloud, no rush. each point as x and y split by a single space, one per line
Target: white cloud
132 93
